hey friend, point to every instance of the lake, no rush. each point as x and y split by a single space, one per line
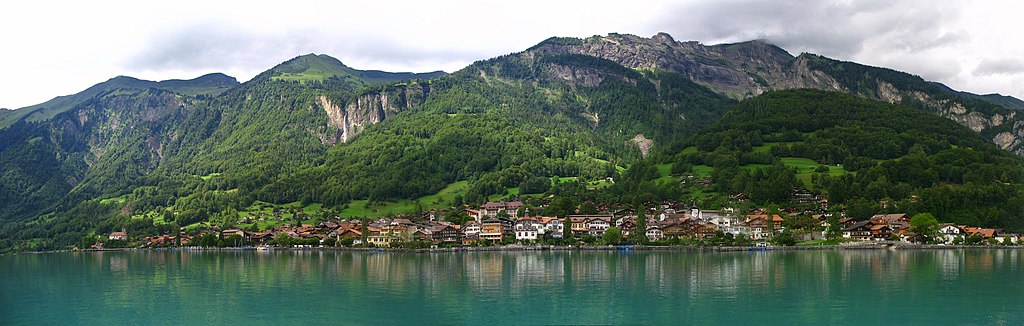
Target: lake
863 287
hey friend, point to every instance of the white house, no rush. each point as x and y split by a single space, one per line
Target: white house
471 229
598 226
655 233
553 226
949 232
527 229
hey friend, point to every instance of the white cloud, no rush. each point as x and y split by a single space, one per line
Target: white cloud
61 47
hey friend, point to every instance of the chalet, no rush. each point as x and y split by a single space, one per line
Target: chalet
881 231
596 226
949 232
551 225
899 223
654 233
118 235
758 226
858 231
627 227
232 232
470 232
776 221
702 230
444 234
674 229
868 230
344 232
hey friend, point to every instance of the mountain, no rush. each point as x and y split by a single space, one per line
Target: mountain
314 67
747 69
209 85
859 152
312 133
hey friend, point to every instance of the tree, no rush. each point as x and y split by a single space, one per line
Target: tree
770 220
330 242
925 225
566 228
364 231
640 234
860 209
612 236
784 239
834 230
457 216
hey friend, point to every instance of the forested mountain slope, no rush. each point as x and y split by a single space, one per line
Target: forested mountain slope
750 68
314 132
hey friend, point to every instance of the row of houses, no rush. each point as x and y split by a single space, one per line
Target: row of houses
897 226
496 222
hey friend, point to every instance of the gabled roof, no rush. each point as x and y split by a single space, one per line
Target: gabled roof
857 225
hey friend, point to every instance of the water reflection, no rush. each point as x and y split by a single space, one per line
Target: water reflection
513 287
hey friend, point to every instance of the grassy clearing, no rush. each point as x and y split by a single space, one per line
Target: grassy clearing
665 170
702 170
118 200
441 199
768 146
209 176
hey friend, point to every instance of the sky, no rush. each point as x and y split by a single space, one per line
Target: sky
52 48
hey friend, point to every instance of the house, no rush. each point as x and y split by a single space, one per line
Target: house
495 229
444 234
526 229
873 229
858 231
580 226
118 235
724 221
654 233
776 221
491 209
231 232
899 223
627 227
702 230
881 231
596 226
551 225
949 232
674 229
758 227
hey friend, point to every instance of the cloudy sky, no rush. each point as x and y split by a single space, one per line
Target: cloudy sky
52 48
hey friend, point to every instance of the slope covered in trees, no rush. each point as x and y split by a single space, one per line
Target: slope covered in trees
495 124
892 154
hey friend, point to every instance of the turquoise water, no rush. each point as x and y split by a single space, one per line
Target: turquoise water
869 287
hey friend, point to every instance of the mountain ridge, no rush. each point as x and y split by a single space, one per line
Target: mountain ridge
312 130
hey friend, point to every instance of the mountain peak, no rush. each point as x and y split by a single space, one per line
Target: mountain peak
663 37
311 67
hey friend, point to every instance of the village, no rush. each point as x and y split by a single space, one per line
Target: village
510 223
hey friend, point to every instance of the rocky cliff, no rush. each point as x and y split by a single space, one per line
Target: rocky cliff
748 69
369 108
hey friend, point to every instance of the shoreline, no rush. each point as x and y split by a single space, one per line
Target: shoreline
513 248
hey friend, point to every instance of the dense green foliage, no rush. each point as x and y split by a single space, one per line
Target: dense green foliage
503 123
892 153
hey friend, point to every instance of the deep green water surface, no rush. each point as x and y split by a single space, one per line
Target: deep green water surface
869 287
